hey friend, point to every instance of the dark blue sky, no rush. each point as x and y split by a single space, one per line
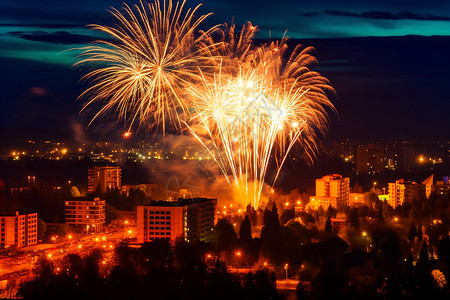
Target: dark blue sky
390 86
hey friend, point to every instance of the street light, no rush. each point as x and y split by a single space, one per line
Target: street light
286 268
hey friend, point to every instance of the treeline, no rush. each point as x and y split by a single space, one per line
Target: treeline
367 259
157 270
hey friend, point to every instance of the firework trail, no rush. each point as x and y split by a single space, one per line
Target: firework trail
153 54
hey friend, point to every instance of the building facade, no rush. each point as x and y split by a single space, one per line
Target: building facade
370 159
103 178
402 191
442 187
356 199
18 230
85 214
191 219
331 190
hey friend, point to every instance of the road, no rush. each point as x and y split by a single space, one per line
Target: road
20 268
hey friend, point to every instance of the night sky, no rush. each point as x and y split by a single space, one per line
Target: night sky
388 60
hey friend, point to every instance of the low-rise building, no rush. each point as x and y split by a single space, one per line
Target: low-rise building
402 191
356 199
85 214
191 219
442 187
18 230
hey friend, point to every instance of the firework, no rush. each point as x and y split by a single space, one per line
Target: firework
245 104
258 109
153 54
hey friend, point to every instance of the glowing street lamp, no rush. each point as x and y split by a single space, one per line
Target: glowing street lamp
286 268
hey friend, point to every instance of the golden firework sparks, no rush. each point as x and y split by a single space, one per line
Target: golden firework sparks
153 54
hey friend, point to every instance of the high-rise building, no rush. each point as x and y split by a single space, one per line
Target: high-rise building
331 190
103 178
85 214
18 230
191 219
402 191
403 157
370 159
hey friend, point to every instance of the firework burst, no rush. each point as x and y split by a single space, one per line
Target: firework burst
256 108
153 54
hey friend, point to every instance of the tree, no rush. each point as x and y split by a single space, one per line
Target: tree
423 256
331 212
245 233
380 211
226 239
412 232
420 233
272 235
354 218
286 215
328 227
75 192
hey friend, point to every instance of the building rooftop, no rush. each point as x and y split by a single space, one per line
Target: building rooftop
181 202
87 198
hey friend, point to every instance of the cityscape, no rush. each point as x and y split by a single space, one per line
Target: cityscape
189 160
